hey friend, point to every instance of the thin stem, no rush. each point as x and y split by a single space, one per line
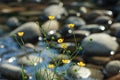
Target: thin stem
74 38
23 74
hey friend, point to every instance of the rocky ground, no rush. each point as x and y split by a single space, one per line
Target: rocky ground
82 42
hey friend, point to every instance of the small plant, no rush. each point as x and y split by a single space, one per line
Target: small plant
63 46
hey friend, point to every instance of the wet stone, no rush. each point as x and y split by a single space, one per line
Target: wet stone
64 30
27 28
76 21
76 34
30 60
112 68
115 29
83 10
29 45
116 77
90 65
50 25
91 16
105 12
103 20
84 73
116 57
13 22
46 74
93 28
98 60
54 10
99 44
6 69
29 13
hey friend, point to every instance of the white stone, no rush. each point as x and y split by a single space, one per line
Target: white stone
101 44
50 25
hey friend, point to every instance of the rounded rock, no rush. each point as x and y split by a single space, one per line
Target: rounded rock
76 21
93 28
54 10
115 29
31 32
46 74
103 20
12 22
50 25
112 68
76 72
99 44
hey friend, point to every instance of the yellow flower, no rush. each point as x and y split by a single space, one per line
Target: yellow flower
63 45
51 17
65 61
51 66
71 25
81 64
20 34
60 40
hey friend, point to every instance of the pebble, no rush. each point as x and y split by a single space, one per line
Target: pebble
29 45
76 72
99 44
13 71
98 60
28 28
116 77
103 20
29 13
115 29
54 10
46 74
91 16
13 22
93 28
112 68
78 22
50 25
116 57
76 34
30 60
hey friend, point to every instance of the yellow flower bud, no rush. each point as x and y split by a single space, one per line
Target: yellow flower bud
71 25
20 34
65 61
51 66
81 64
51 17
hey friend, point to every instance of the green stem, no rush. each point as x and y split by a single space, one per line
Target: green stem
23 74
